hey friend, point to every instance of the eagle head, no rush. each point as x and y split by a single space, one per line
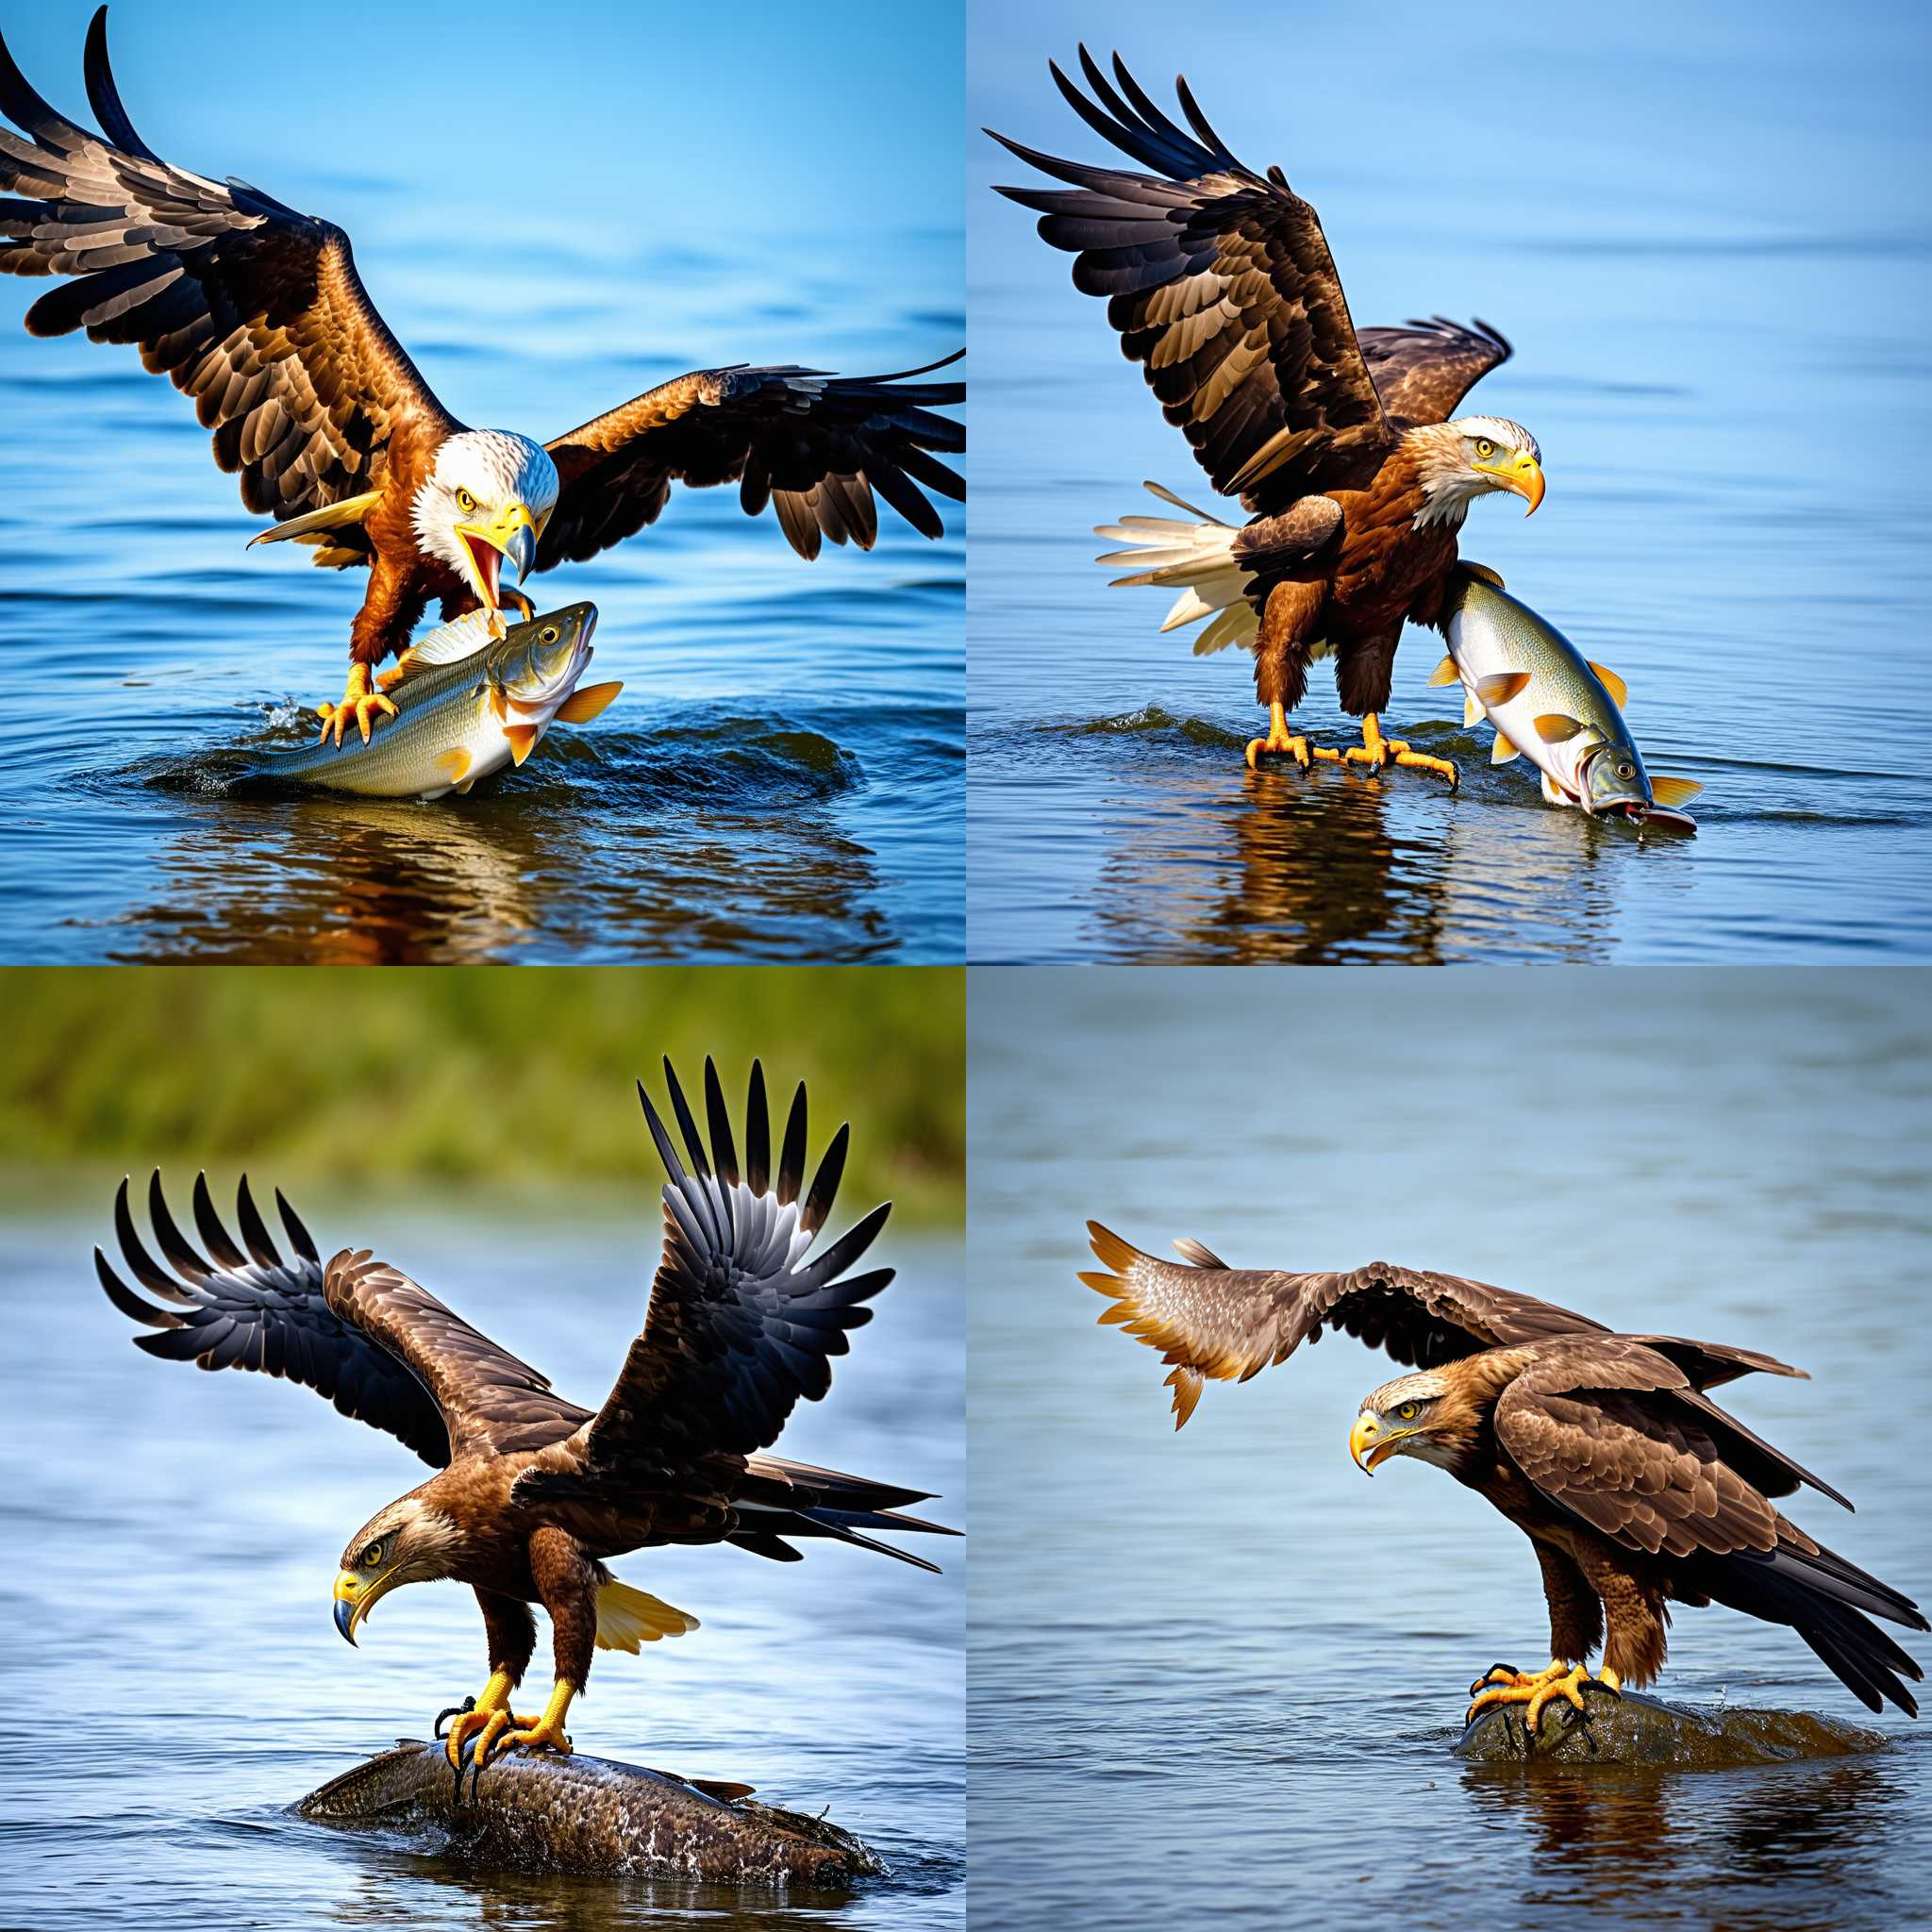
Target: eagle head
1457 462
410 1542
1414 1415
488 498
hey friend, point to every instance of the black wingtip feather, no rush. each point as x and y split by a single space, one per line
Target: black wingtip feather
674 1168
824 1183
724 1150
146 1271
299 1235
128 1302
686 1125
214 1236
105 98
183 1258
792 1154
758 1134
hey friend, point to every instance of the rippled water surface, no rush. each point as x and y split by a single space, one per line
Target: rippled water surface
783 775
1214 1677
173 1624
1705 231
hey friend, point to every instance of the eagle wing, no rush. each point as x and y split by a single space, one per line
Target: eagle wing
816 447
254 311
744 1319
1220 283
380 1348
1424 369
1210 1320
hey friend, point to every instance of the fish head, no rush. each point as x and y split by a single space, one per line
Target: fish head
539 662
1611 778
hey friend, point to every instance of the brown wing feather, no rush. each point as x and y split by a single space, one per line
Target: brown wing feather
254 311
1220 283
1231 1324
1424 370
816 447
491 1402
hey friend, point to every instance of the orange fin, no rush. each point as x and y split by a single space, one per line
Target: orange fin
456 762
1482 573
1445 672
1503 751
1501 687
1619 690
1553 727
582 706
1673 791
523 739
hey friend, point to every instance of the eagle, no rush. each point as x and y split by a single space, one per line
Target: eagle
1343 443
257 312
533 1494
1635 1488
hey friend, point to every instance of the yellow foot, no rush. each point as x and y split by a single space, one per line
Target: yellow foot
1377 751
359 704
485 1720
1280 740
546 1734
1567 1681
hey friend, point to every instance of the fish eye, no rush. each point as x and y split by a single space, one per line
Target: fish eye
1408 1412
1626 770
1483 447
370 1558
547 635
465 502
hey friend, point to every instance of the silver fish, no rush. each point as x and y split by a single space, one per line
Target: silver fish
465 708
1552 705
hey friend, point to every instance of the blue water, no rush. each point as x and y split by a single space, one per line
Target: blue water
1705 230
783 775
1214 1676
172 1623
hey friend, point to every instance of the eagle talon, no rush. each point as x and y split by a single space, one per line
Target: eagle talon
469 1704
1281 741
360 704
1378 751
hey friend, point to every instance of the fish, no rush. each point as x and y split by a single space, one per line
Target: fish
466 707
1550 704
590 1814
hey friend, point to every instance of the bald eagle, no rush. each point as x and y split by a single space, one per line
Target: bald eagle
1342 442
533 1494
1635 1488
257 312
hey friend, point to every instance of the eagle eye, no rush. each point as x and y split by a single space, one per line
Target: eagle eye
370 1558
465 502
1408 1412
1485 448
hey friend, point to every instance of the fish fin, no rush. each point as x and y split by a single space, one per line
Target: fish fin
456 762
1503 751
1482 573
1503 686
627 1617
1619 690
1674 791
449 643
1553 727
468 786
582 706
1445 672
1554 791
499 702
1473 712
523 739
331 516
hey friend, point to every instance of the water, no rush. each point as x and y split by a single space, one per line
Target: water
1215 1676
783 775
184 1530
1704 230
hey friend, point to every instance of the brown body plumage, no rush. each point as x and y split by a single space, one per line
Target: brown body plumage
1635 1489
533 1493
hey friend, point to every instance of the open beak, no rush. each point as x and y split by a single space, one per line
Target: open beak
1366 1438
355 1598
1524 476
513 533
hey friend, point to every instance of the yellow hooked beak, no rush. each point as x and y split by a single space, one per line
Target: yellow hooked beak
1368 1435
513 533
1521 471
356 1597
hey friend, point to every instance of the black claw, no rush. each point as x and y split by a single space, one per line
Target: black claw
442 1717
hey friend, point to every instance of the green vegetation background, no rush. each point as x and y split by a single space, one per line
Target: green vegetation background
517 1079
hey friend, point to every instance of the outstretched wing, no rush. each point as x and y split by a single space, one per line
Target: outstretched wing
1424 369
381 1349
1221 286
745 1318
1209 1320
254 311
814 446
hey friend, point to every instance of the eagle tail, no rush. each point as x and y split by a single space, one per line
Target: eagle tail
315 526
1197 557
780 1498
627 1617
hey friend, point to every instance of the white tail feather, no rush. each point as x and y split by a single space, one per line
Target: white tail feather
1197 557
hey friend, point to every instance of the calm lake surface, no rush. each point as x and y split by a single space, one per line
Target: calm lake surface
176 1615
1706 236
1214 1677
783 775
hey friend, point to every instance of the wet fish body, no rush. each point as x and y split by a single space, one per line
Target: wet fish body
467 707
590 1814
1550 704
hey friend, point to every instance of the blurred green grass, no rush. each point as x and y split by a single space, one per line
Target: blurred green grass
516 1078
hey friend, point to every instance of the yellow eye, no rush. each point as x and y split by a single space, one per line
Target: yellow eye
1485 448
1407 1411
549 634
465 502
370 1558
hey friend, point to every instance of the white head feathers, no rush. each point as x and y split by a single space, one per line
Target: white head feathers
496 468
1446 455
